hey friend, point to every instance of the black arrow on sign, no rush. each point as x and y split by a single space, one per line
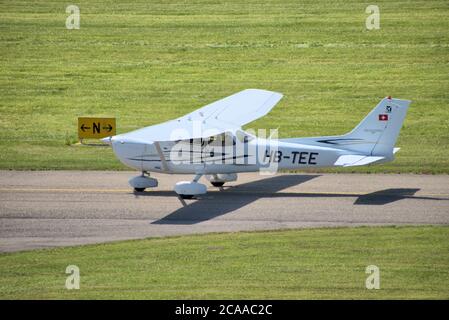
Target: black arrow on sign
84 128
109 128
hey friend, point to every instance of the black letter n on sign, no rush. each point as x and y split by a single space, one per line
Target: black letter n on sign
96 127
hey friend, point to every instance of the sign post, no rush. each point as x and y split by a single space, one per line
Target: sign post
95 128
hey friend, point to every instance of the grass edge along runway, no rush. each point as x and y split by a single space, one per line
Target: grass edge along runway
322 263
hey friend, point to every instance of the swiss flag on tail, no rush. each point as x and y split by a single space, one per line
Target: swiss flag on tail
383 117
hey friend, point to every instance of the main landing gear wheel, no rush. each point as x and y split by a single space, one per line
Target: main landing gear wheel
190 189
219 179
218 184
186 196
139 189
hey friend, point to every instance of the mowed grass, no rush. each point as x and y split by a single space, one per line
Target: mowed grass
295 264
145 62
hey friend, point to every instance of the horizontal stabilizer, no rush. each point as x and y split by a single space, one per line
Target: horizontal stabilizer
350 160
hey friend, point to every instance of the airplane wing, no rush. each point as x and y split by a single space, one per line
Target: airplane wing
350 160
227 114
239 109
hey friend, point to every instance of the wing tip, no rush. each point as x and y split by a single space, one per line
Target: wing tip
280 95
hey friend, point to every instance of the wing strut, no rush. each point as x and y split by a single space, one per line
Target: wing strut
161 155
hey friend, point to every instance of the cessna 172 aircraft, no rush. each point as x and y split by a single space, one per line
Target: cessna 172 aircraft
210 142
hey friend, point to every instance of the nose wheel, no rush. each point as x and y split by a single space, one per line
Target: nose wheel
140 183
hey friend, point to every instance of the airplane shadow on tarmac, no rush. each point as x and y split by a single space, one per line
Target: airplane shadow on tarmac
217 203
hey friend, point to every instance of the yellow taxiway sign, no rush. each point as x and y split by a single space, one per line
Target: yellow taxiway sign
95 128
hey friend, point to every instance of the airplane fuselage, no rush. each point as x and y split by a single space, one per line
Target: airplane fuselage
257 154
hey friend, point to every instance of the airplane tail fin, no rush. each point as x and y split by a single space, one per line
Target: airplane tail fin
378 132
375 136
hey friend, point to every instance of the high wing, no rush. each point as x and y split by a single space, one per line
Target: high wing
239 109
227 114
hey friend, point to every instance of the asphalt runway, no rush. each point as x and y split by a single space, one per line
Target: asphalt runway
60 208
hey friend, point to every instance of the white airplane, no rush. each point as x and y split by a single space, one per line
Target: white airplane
210 142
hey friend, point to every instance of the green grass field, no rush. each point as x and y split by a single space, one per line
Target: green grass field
149 61
296 264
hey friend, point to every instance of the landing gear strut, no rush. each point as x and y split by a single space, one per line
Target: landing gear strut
142 182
